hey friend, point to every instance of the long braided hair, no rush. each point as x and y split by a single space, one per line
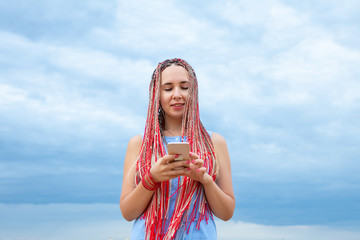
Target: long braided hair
153 149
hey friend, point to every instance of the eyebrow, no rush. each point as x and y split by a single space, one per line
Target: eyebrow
169 83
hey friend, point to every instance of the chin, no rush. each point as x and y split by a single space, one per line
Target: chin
176 116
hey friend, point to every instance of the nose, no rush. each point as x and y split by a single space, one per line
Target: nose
177 93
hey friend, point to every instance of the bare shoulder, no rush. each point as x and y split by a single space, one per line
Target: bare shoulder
218 140
135 141
134 147
220 147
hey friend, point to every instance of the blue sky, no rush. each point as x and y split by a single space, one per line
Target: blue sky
278 79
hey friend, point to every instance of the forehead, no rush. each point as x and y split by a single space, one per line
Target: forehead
174 73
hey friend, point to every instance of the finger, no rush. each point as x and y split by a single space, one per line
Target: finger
194 155
180 171
188 172
167 159
201 170
182 163
198 162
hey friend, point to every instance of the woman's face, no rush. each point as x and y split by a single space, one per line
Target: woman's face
174 91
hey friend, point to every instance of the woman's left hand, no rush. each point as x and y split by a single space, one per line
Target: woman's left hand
197 171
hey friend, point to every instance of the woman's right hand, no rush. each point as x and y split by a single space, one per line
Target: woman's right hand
167 168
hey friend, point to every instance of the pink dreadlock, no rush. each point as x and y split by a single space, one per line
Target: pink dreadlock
153 148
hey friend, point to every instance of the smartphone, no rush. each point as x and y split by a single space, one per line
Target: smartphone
181 148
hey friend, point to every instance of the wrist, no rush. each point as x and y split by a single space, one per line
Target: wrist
207 180
149 182
151 173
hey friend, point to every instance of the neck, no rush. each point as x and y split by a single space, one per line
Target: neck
173 127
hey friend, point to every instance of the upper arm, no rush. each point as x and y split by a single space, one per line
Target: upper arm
224 179
132 153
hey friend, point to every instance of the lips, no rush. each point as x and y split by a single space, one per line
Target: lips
177 105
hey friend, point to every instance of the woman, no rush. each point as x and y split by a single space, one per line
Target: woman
176 199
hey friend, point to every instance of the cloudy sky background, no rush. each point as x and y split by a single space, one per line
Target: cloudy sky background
278 79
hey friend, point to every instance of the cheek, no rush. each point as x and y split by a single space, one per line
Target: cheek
185 94
163 98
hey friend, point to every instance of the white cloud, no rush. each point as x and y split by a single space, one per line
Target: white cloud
297 61
72 221
159 29
101 65
60 102
241 13
59 115
103 221
270 148
251 231
280 80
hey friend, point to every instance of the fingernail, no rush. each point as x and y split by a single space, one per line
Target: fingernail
176 155
188 161
197 170
193 161
188 169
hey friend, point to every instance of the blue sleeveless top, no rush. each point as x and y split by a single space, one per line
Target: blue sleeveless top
207 230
